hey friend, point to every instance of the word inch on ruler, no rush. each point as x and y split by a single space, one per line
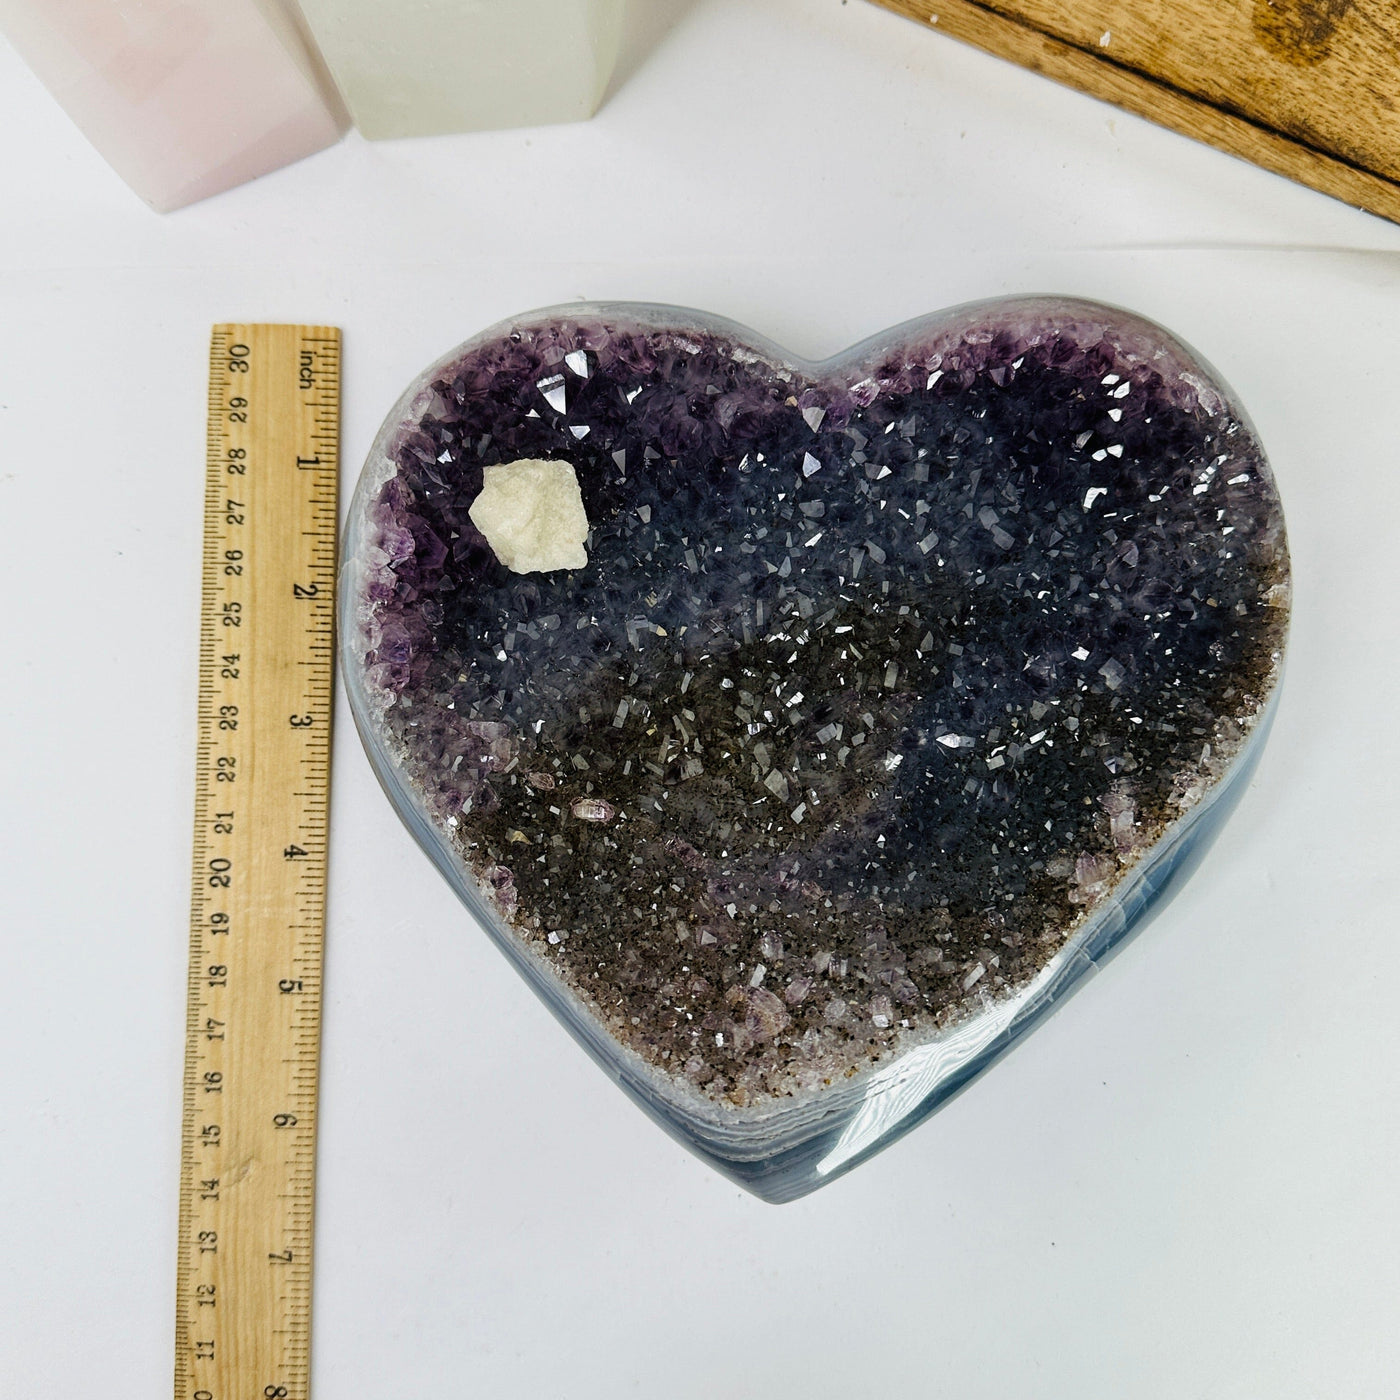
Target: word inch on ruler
243 1305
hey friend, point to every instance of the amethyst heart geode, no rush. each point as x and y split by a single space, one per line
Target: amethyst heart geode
892 692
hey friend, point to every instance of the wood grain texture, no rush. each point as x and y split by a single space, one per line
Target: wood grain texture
1305 88
243 1277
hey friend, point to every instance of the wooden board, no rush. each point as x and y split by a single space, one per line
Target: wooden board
1307 88
243 1300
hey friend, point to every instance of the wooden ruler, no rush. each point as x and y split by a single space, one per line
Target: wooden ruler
243 1306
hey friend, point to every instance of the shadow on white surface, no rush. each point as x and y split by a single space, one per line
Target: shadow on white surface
646 25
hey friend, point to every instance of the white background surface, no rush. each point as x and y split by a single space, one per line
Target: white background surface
1182 1186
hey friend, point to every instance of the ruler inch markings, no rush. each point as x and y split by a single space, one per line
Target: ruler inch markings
258 892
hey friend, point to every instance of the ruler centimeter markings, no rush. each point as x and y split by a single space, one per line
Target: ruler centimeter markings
257 909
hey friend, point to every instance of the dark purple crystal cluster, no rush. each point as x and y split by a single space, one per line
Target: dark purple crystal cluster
878 679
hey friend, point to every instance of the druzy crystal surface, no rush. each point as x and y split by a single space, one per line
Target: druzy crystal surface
891 692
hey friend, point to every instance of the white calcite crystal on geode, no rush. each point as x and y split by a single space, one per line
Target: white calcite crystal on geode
532 516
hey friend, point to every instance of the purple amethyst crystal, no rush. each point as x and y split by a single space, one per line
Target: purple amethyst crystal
892 691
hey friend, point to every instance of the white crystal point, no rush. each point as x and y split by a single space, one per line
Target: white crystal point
466 65
532 516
